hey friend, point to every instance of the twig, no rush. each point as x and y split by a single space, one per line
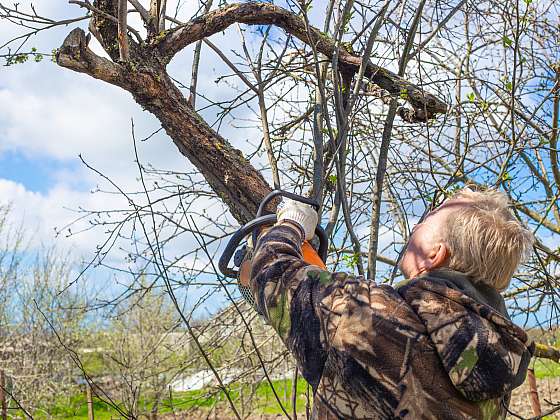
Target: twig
122 37
533 393
76 359
87 5
140 9
254 13
440 25
162 270
196 63
248 328
231 65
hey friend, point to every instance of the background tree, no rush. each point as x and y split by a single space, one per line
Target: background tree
38 324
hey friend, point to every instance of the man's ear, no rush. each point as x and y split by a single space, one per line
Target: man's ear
438 257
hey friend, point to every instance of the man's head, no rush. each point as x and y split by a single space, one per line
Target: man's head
471 232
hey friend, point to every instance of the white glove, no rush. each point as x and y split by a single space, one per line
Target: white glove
299 213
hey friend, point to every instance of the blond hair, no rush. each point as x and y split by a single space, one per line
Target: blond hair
485 240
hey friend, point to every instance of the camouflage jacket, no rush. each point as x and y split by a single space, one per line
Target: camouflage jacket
431 348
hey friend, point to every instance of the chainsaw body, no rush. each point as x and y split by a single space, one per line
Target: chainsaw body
242 255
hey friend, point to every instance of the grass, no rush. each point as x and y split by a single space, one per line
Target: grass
546 368
264 402
75 407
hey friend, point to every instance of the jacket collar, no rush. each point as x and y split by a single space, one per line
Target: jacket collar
461 282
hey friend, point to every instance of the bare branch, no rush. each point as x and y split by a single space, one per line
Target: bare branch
377 190
266 13
196 62
155 6
122 37
87 5
554 131
141 10
74 54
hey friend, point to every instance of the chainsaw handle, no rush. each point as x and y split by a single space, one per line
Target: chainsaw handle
286 194
272 195
236 239
266 220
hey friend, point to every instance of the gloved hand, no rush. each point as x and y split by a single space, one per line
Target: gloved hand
299 213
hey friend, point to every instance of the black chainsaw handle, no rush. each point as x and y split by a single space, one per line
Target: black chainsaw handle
269 219
236 239
286 194
266 220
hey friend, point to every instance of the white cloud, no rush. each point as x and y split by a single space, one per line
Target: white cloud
62 124
41 213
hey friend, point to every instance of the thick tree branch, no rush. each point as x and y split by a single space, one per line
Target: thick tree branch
268 14
544 351
227 172
74 54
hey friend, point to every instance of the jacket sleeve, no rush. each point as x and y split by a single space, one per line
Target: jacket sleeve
294 298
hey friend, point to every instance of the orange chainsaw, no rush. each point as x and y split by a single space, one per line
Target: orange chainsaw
242 256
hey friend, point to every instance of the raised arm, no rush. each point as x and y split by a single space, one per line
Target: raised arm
290 293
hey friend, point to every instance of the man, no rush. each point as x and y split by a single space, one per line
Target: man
440 345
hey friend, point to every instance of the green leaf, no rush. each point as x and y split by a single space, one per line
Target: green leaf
471 97
351 260
332 179
16 59
507 41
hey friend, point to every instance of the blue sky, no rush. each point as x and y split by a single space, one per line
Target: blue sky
36 175
49 116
